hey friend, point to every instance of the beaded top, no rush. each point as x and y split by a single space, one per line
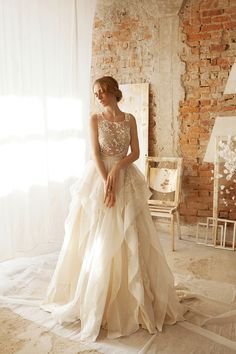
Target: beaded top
114 137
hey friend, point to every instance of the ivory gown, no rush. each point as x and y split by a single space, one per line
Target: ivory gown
111 270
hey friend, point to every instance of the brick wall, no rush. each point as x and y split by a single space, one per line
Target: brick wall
209 37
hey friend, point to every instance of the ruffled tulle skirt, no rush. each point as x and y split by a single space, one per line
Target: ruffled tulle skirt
111 270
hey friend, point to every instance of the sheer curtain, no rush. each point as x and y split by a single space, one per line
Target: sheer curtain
45 55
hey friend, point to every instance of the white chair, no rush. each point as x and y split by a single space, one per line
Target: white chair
163 175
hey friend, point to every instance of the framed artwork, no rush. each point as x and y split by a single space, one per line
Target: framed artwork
136 101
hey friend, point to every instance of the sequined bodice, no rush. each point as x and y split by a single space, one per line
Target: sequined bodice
114 137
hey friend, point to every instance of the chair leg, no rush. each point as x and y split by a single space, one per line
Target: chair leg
178 225
172 232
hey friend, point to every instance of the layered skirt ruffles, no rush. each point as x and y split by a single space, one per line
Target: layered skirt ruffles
111 270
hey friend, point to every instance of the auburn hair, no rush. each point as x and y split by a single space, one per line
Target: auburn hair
109 84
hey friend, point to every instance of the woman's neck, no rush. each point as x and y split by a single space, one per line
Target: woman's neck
113 112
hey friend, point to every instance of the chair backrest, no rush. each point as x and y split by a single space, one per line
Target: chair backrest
163 175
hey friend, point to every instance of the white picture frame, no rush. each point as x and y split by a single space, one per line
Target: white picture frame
136 101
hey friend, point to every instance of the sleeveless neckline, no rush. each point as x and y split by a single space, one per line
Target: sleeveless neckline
116 122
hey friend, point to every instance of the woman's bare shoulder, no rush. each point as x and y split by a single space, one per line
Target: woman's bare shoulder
131 118
94 117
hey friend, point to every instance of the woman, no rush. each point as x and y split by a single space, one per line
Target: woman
111 270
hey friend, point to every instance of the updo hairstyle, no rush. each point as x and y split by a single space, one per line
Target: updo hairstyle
109 84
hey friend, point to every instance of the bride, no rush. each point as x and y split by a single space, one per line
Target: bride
111 271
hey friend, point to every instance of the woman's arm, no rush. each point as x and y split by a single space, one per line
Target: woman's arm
95 147
109 196
134 144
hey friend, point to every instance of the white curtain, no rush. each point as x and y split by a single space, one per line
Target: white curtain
45 56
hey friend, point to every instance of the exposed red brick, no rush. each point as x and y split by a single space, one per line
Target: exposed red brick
212 13
206 20
213 27
195 51
205 167
229 108
223 214
186 23
206 173
230 25
206 213
193 141
188 211
189 109
205 102
198 36
207 4
190 219
221 61
221 19
197 205
231 10
204 194
217 47
232 216
206 186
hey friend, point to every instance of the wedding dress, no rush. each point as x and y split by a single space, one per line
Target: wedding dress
111 270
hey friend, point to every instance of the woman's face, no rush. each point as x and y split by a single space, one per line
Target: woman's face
103 97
